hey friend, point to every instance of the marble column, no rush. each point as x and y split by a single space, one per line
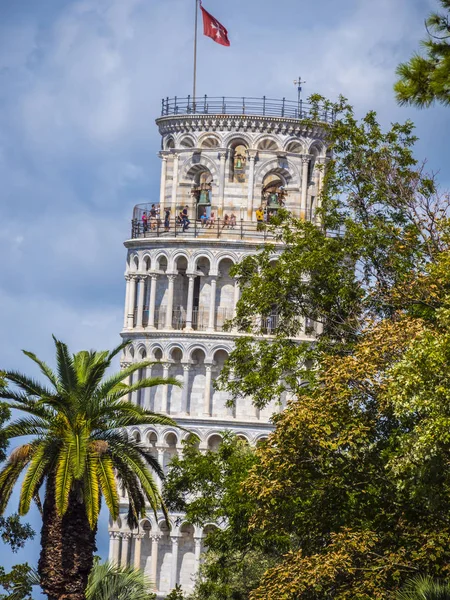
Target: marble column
303 208
174 564
137 549
222 159
127 299
237 294
185 390
212 305
154 558
197 553
207 395
165 391
152 301
190 302
170 291
251 183
147 391
174 185
161 464
126 537
132 301
162 191
114 547
140 305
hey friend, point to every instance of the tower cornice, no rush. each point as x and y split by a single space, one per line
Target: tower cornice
239 123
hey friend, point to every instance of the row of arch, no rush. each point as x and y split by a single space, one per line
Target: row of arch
264 142
167 260
174 351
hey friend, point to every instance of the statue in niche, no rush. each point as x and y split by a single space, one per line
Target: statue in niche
239 163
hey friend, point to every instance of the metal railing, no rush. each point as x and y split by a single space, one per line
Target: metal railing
265 107
214 229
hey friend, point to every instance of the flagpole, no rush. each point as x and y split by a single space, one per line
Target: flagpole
195 54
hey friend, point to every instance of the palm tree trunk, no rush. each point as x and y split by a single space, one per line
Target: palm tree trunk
67 548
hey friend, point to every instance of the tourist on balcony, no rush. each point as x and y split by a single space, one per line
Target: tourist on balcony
226 221
144 222
233 221
204 218
153 217
211 220
184 218
167 219
259 219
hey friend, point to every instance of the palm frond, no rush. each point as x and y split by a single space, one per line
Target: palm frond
12 470
45 369
63 478
79 442
115 351
105 470
65 367
136 499
110 582
110 384
26 426
91 489
146 480
27 384
36 470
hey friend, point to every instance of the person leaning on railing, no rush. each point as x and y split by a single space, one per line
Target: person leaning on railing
259 219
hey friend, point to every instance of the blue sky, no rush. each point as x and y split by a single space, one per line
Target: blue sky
80 86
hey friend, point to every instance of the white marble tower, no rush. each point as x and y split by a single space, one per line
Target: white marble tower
223 158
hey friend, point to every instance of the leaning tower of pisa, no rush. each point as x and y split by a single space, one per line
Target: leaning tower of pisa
226 161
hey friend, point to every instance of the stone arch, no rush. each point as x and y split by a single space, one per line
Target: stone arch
243 436
161 261
213 441
267 143
224 256
172 266
134 263
198 256
317 149
285 167
168 142
170 348
232 139
219 398
220 346
294 145
209 141
156 351
146 263
187 141
195 163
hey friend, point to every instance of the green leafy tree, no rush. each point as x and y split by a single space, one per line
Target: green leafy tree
12 531
350 476
379 229
207 487
80 452
425 78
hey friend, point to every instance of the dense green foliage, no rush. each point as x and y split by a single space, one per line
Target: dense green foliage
12 532
379 228
79 450
425 78
207 487
355 474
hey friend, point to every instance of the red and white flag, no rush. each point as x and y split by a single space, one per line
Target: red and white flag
213 29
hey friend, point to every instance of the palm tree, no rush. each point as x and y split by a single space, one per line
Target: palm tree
425 588
80 451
